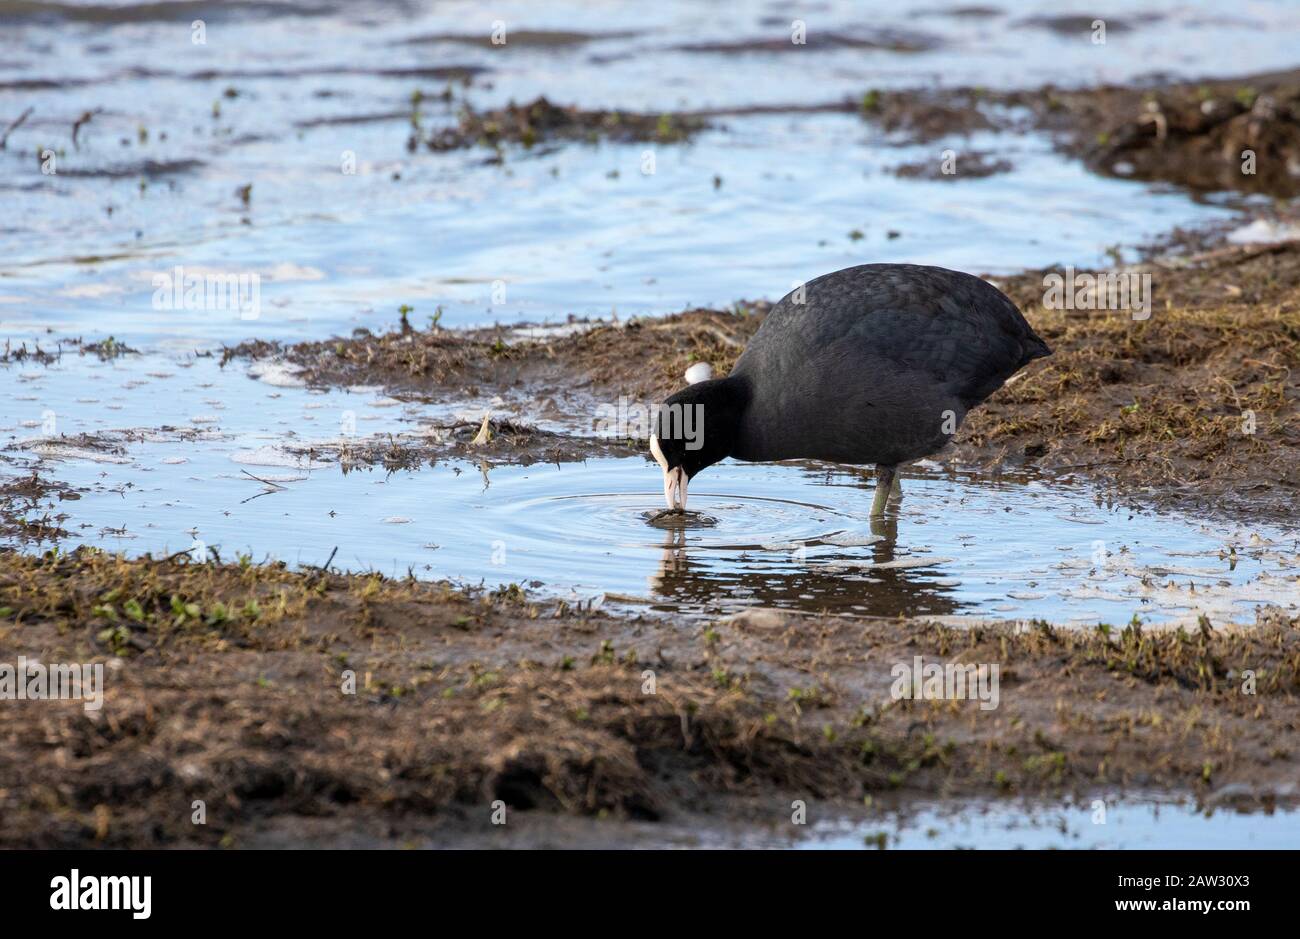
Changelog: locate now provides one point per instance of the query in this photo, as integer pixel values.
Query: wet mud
(320, 706)
(565, 367)
(1237, 135)
(1240, 135)
(1196, 404)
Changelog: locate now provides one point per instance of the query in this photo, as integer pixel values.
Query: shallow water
(151, 181)
(957, 824)
(1127, 825)
(215, 457)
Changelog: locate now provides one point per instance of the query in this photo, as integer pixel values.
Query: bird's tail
(1035, 348)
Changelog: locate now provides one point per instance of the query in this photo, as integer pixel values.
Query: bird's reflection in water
(812, 577)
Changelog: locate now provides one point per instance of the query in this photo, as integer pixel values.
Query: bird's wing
(956, 328)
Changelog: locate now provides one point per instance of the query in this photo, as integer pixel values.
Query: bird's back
(877, 363)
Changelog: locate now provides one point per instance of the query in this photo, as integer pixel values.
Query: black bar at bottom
(301, 888)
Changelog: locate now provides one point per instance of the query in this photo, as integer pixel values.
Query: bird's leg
(884, 485)
(886, 526)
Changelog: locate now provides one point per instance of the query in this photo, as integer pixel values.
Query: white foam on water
(276, 374)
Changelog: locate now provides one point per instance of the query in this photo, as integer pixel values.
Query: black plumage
(877, 363)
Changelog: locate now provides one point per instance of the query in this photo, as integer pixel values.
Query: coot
(874, 364)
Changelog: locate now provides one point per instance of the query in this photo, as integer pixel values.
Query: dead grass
(540, 121)
(1203, 393)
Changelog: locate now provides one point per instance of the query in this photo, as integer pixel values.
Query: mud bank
(334, 708)
(1228, 134)
(1196, 404)
(1193, 134)
(565, 368)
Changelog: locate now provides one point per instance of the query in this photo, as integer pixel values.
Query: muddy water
(247, 473)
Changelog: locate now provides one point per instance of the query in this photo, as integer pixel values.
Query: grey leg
(884, 485)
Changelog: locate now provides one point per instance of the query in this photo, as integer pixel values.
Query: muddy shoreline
(347, 707)
(1236, 134)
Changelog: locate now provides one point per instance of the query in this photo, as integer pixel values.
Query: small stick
(84, 119)
(4, 139)
(325, 567)
(264, 482)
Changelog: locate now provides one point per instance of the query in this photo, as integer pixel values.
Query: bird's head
(695, 428)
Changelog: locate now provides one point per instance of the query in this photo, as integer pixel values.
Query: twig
(84, 119)
(4, 139)
(264, 482)
(325, 567)
(713, 331)
(722, 337)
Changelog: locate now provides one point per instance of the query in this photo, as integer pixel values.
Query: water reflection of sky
(576, 229)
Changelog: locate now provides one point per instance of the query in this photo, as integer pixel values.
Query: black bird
(877, 363)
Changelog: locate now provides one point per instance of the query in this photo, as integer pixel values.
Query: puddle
(958, 824)
(1126, 826)
(1007, 826)
(254, 476)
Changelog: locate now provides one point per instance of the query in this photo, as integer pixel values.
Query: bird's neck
(725, 404)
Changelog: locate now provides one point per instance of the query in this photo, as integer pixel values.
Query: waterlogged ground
(290, 146)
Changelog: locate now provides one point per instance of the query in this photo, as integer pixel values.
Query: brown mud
(1195, 134)
(232, 684)
(1192, 134)
(565, 370)
(1198, 405)
(490, 442)
(971, 164)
